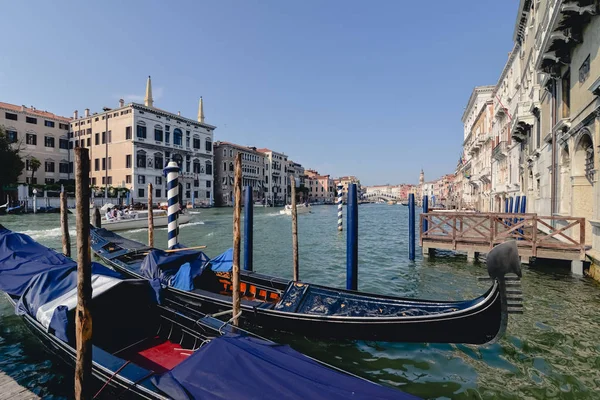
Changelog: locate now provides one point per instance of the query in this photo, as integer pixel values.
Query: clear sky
(371, 88)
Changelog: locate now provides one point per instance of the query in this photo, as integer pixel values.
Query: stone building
(253, 171)
(276, 181)
(41, 135)
(132, 143)
(321, 188)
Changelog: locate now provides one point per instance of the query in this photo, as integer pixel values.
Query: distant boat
(391, 202)
(404, 203)
(139, 220)
(300, 209)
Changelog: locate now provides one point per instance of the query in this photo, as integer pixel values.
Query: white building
(131, 144)
(275, 176)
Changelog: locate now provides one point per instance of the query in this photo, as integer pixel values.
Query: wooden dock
(11, 390)
(559, 238)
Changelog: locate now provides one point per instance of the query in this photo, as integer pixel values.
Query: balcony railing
(499, 152)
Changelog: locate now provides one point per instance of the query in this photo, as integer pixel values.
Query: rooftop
(33, 111)
(239, 146)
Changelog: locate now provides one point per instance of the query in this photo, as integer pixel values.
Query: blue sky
(374, 89)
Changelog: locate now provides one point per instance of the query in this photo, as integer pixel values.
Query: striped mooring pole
(340, 204)
(172, 174)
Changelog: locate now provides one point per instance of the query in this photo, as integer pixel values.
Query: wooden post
(534, 228)
(294, 230)
(83, 318)
(582, 237)
(237, 212)
(150, 218)
(64, 225)
(97, 218)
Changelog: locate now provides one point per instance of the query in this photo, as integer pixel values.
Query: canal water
(551, 351)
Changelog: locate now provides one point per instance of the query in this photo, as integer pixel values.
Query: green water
(551, 351)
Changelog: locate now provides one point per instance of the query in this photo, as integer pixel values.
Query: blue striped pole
(411, 226)
(425, 211)
(339, 204)
(523, 204)
(352, 239)
(172, 174)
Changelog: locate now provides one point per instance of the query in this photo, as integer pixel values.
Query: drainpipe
(553, 170)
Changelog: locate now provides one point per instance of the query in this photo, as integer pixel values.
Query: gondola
(144, 349)
(319, 311)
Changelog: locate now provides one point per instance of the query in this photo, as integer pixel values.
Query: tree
(11, 164)
(34, 164)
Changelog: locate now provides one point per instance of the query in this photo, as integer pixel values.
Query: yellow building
(41, 135)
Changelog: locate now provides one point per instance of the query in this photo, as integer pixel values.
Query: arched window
(141, 159)
(584, 157)
(177, 137)
(178, 159)
(158, 160)
(231, 166)
(158, 133)
(208, 169)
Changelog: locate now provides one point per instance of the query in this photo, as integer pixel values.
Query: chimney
(179, 113)
(121, 103)
(75, 114)
(148, 101)
(87, 112)
(200, 111)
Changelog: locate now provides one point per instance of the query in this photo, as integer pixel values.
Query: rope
(111, 377)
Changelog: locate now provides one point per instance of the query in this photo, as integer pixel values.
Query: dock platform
(559, 238)
(12, 390)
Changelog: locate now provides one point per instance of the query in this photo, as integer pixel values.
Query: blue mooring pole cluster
(248, 231)
(352, 239)
(411, 226)
(425, 211)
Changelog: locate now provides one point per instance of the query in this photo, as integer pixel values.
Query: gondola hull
(328, 313)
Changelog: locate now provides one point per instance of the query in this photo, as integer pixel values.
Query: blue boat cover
(22, 258)
(242, 367)
(223, 262)
(161, 265)
(183, 279)
(48, 286)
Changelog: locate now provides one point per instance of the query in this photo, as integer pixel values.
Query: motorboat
(319, 311)
(300, 209)
(139, 220)
(143, 348)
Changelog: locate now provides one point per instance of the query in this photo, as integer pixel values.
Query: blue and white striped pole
(172, 174)
(339, 204)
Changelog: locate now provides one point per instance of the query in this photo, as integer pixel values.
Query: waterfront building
(297, 171)
(132, 143)
(253, 171)
(276, 181)
(321, 188)
(345, 181)
(476, 168)
(41, 135)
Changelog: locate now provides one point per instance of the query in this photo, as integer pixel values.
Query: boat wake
(47, 233)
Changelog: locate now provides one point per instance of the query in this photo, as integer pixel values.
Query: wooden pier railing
(537, 236)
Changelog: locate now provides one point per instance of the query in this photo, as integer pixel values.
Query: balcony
(485, 174)
(500, 151)
(523, 120)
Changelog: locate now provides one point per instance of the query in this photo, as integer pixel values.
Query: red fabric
(158, 355)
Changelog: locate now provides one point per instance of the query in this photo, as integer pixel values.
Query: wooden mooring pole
(150, 218)
(97, 218)
(237, 212)
(294, 230)
(64, 225)
(83, 318)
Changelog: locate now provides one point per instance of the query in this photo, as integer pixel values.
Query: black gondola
(324, 312)
(145, 350)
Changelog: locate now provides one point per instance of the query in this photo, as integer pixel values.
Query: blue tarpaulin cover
(183, 279)
(242, 367)
(223, 262)
(22, 258)
(48, 286)
(159, 264)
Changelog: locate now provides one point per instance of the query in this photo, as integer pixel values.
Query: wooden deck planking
(12, 390)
